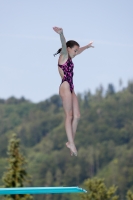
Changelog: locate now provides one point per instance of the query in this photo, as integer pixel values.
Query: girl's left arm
(81, 49)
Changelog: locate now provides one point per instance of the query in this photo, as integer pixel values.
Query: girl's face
(72, 52)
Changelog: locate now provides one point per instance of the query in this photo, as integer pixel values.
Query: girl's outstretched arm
(63, 40)
(81, 49)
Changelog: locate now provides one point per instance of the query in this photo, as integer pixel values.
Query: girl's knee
(77, 116)
(69, 115)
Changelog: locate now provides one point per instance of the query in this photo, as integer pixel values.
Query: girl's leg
(76, 114)
(66, 97)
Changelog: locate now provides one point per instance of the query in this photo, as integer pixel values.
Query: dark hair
(70, 43)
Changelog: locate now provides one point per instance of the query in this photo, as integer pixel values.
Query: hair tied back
(59, 50)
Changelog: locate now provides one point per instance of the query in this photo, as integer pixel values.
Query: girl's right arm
(63, 41)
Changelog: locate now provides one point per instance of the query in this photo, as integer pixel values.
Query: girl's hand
(90, 44)
(58, 30)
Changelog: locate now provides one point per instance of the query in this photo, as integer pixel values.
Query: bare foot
(67, 144)
(72, 148)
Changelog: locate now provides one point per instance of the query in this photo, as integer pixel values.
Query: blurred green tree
(97, 190)
(110, 90)
(130, 86)
(16, 174)
(129, 195)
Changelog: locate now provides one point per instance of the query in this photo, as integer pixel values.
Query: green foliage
(129, 195)
(97, 190)
(110, 90)
(130, 86)
(16, 173)
(104, 139)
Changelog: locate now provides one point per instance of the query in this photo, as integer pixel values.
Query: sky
(28, 42)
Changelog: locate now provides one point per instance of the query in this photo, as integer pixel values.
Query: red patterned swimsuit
(67, 68)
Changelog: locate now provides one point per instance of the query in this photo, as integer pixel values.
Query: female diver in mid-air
(68, 51)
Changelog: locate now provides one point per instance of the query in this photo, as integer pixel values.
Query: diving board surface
(40, 190)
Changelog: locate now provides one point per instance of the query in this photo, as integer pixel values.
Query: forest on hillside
(104, 139)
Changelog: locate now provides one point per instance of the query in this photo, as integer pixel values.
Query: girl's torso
(66, 72)
(65, 66)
